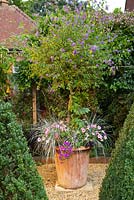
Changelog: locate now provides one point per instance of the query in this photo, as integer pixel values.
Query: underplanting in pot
(67, 136)
(70, 143)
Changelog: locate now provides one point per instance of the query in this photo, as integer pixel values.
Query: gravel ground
(96, 173)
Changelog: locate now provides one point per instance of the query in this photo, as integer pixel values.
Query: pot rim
(82, 148)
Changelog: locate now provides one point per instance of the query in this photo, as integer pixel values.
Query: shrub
(18, 174)
(118, 183)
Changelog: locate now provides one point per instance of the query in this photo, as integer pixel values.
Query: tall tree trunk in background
(34, 101)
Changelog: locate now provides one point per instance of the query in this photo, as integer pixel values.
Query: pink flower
(83, 130)
(99, 127)
(93, 126)
(100, 137)
(39, 139)
(56, 135)
(88, 127)
(57, 126)
(93, 133)
(63, 128)
(46, 131)
(105, 137)
(97, 132)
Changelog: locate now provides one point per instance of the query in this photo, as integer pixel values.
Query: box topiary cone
(118, 183)
(19, 179)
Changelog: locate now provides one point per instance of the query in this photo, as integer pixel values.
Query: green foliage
(23, 76)
(116, 99)
(119, 181)
(22, 107)
(71, 57)
(24, 6)
(18, 174)
(117, 10)
(44, 7)
(71, 77)
(122, 51)
(5, 66)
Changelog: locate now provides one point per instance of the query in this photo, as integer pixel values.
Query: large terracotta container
(72, 172)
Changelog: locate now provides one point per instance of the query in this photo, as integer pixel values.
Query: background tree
(19, 3)
(44, 7)
(113, 34)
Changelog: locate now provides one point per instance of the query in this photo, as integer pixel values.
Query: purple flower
(65, 150)
(69, 39)
(109, 62)
(86, 35)
(106, 7)
(75, 52)
(116, 51)
(80, 5)
(113, 70)
(77, 10)
(93, 48)
(102, 42)
(82, 43)
(66, 155)
(66, 8)
(67, 143)
(84, 16)
(37, 33)
(70, 60)
(51, 91)
(62, 50)
(73, 44)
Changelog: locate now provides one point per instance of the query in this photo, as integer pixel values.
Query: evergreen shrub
(19, 179)
(118, 183)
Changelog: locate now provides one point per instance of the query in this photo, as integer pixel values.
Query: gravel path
(96, 173)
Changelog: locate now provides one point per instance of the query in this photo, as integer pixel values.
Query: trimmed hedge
(19, 178)
(118, 183)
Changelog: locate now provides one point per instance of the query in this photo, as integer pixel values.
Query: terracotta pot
(72, 172)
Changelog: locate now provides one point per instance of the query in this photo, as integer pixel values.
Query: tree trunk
(34, 97)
